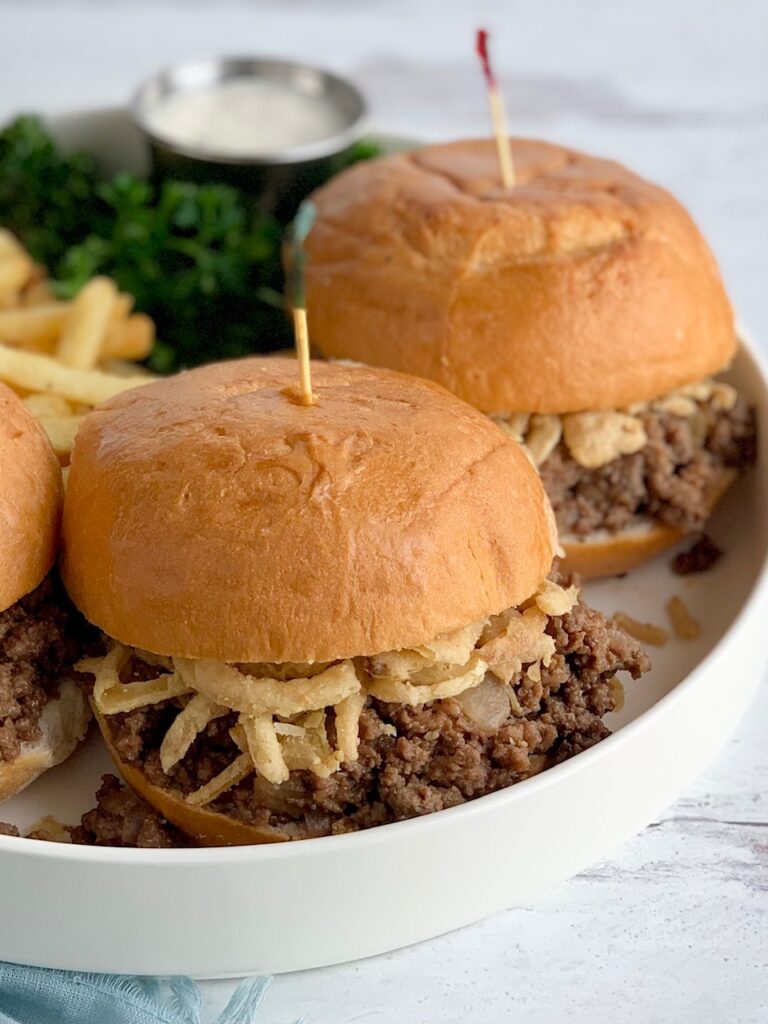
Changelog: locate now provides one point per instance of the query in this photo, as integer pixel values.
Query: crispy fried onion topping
(597, 438)
(284, 711)
(111, 695)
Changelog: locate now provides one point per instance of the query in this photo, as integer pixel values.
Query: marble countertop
(673, 926)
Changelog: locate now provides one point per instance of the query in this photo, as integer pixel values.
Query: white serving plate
(213, 913)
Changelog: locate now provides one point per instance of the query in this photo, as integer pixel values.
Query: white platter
(213, 913)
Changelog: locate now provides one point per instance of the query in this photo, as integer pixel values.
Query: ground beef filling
(120, 818)
(40, 638)
(700, 557)
(413, 760)
(671, 479)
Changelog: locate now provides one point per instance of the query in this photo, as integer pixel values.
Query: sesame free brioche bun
(210, 515)
(584, 287)
(30, 515)
(30, 501)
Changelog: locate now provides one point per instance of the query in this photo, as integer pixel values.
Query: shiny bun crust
(30, 501)
(584, 287)
(210, 515)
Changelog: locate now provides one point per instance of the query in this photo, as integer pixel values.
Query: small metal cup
(277, 181)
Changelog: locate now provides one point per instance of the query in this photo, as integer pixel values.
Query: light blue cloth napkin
(32, 995)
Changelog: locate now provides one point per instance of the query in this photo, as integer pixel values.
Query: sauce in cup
(248, 116)
(275, 128)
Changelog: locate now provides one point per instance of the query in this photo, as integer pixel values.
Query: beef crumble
(700, 557)
(121, 818)
(41, 636)
(412, 760)
(671, 479)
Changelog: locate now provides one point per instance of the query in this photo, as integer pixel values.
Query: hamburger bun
(611, 554)
(30, 501)
(210, 515)
(63, 724)
(585, 287)
(30, 514)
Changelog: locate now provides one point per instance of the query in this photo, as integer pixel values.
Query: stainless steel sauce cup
(278, 181)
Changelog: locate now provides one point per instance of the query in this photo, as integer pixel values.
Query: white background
(674, 927)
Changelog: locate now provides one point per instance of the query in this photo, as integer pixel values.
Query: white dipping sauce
(244, 117)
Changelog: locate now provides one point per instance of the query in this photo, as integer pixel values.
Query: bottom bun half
(209, 828)
(63, 723)
(611, 554)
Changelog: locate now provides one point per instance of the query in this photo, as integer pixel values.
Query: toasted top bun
(210, 515)
(30, 500)
(584, 287)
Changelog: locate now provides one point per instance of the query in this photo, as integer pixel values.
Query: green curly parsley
(199, 259)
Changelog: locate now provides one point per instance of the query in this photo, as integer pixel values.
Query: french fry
(38, 327)
(64, 358)
(123, 368)
(123, 307)
(37, 293)
(35, 327)
(132, 339)
(48, 405)
(83, 335)
(10, 245)
(61, 431)
(32, 371)
(14, 271)
(16, 265)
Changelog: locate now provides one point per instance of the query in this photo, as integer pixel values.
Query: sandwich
(320, 619)
(43, 712)
(582, 310)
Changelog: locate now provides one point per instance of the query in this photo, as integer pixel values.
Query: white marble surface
(674, 926)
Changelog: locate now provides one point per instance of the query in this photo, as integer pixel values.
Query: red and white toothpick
(498, 117)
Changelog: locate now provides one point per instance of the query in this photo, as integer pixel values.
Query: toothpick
(301, 337)
(301, 228)
(498, 115)
(503, 145)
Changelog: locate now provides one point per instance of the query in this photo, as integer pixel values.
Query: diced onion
(486, 705)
